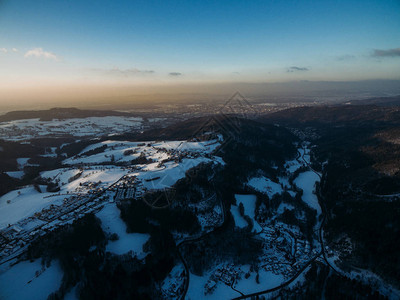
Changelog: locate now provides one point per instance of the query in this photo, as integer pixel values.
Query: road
(220, 227)
(321, 240)
(286, 283)
(324, 214)
(195, 239)
(20, 252)
(244, 296)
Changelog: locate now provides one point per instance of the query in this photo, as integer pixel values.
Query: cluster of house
(177, 154)
(17, 236)
(9, 240)
(227, 274)
(281, 257)
(290, 251)
(307, 133)
(86, 198)
(278, 268)
(80, 127)
(13, 130)
(75, 206)
(89, 187)
(127, 188)
(175, 289)
(211, 218)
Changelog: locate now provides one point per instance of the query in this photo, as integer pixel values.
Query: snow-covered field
(117, 151)
(267, 280)
(265, 185)
(27, 129)
(163, 164)
(60, 175)
(239, 220)
(284, 206)
(249, 204)
(293, 165)
(23, 162)
(112, 223)
(16, 174)
(103, 176)
(221, 290)
(306, 181)
(281, 240)
(27, 280)
(168, 162)
(23, 203)
(196, 290)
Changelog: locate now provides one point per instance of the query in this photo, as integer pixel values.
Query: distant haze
(79, 52)
(109, 97)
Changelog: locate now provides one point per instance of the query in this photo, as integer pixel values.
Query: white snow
(106, 175)
(92, 126)
(26, 201)
(167, 169)
(267, 280)
(172, 284)
(196, 289)
(23, 203)
(306, 181)
(23, 161)
(239, 220)
(170, 174)
(20, 281)
(222, 291)
(156, 151)
(207, 146)
(284, 206)
(305, 154)
(302, 160)
(265, 185)
(249, 204)
(284, 181)
(293, 165)
(112, 223)
(16, 174)
(60, 175)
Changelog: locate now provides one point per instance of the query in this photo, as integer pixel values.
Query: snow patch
(16, 174)
(265, 185)
(306, 181)
(28, 280)
(249, 204)
(112, 223)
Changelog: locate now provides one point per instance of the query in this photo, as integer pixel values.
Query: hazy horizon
(125, 97)
(55, 53)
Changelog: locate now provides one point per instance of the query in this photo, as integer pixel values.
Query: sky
(53, 46)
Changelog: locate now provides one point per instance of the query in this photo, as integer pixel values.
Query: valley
(203, 213)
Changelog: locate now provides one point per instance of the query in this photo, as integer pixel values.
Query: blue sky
(168, 42)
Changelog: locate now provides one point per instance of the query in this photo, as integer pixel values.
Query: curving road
(324, 213)
(195, 239)
(284, 284)
(321, 240)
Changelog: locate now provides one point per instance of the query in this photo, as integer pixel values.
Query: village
(94, 178)
(86, 184)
